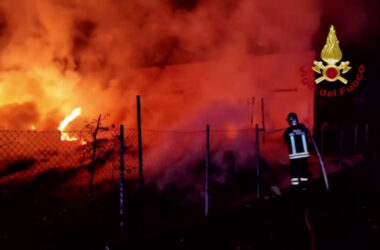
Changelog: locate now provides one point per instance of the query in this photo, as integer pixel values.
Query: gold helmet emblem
(331, 54)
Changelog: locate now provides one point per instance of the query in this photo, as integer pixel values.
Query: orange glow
(231, 131)
(191, 68)
(64, 136)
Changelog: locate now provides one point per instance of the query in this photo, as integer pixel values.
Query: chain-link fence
(46, 181)
(74, 186)
(27, 154)
(49, 185)
(174, 164)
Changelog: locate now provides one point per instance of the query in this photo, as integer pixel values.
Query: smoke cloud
(193, 62)
(62, 54)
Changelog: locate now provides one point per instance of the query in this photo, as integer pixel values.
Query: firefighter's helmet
(292, 118)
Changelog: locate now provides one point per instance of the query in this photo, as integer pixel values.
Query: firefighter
(296, 137)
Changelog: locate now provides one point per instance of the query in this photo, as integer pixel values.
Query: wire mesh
(24, 155)
(55, 175)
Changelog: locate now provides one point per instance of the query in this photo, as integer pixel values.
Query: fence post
(263, 118)
(207, 170)
(257, 162)
(141, 173)
(121, 178)
(93, 164)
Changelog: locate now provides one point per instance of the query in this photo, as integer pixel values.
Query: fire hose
(321, 163)
(312, 236)
(324, 174)
(326, 181)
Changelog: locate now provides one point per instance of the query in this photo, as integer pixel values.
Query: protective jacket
(296, 138)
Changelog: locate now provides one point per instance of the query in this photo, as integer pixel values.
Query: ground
(346, 217)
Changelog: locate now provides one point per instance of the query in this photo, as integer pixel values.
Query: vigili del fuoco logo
(334, 69)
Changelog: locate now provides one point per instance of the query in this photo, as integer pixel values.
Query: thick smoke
(62, 54)
(191, 61)
(357, 23)
(17, 115)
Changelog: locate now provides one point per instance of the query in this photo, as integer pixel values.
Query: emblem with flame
(331, 54)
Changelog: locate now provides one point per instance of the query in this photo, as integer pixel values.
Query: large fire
(101, 54)
(61, 47)
(64, 135)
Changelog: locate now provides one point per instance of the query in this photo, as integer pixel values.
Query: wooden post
(121, 211)
(139, 134)
(257, 162)
(207, 170)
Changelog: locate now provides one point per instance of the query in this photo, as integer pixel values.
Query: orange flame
(64, 136)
